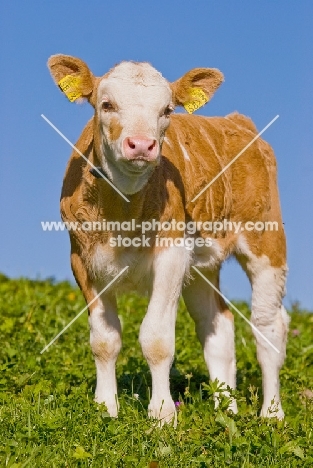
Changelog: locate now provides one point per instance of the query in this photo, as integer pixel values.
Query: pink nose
(140, 148)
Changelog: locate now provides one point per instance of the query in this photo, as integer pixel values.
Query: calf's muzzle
(140, 148)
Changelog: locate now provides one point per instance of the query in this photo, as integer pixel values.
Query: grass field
(48, 417)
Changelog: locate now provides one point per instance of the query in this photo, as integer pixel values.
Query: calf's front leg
(106, 342)
(105, 334)
(157, 332)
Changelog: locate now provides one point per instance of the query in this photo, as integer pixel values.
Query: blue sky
(264, 50)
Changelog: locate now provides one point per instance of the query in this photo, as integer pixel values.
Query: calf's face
(133, 106)
(133, 103)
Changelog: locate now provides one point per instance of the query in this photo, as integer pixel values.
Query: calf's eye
(168, 110)
(106, 106)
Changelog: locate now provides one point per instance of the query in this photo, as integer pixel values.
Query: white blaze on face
(133, 105)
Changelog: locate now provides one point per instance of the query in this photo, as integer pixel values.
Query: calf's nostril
(131, 144)
(150, 148)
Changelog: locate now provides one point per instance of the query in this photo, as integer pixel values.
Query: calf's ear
(196, 87)
(73, 77)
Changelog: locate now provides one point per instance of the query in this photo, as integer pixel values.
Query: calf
(160, 163)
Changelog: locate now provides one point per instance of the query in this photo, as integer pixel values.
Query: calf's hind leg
(269, 317)
(215, 328)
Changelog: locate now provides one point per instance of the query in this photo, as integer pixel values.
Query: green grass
(48, 417)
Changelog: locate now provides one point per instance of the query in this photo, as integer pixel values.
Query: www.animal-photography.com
(156, 263)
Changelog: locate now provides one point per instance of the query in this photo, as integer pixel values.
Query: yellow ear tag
(197, 99)
(70, 85)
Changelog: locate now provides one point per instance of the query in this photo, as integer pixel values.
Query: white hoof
(233, 406)
(112, 406)
(273, 411)
(165, 412)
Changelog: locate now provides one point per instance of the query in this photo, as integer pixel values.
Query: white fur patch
(139, 96)
(208, 257)
(167, 141)
(107, 262)
(184, 151)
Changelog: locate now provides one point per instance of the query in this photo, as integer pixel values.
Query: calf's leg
(157, 331)
(215, 328)
(269, 317)
(106, 342)
(105, 335)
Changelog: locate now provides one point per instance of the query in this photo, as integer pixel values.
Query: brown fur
(115, 129)
(245, 192)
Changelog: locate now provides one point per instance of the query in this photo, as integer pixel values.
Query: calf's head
(133, 103)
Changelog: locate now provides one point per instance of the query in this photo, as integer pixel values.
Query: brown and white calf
(161, 162)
